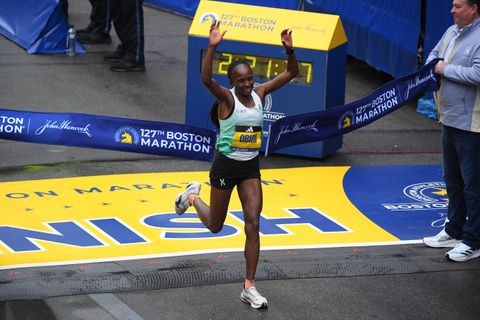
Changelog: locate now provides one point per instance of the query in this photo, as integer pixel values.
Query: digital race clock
(264, 68)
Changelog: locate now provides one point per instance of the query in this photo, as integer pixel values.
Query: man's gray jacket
(459, 94)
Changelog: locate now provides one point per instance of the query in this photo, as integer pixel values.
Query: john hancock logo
(127, 135)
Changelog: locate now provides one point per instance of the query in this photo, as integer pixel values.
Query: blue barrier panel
(281, 4)
(188, 7)
(382, 33)
(37, 26)
(438, 19)
(182, 7)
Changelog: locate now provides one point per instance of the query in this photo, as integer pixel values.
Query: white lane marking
(115, 306)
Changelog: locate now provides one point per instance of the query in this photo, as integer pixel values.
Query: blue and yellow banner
(132, 216)
(111, 133)
(334, 121)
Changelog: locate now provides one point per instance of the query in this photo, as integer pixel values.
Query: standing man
(127, 18)
(458, 101)
(98, 30)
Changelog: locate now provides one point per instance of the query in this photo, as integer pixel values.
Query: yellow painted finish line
(119, 217)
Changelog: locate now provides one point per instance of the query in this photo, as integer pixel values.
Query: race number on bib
(247, 138)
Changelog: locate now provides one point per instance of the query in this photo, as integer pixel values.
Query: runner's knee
(252, 228)
(215, 229)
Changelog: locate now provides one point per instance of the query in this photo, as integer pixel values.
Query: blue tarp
(438, 19)
(382, 33)
(385, 33)
(188, 7)
(37, 26)
(182, 7)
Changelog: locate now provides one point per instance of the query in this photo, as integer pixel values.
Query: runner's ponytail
(214, 114)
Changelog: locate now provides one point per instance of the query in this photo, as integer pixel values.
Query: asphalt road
(398, 282)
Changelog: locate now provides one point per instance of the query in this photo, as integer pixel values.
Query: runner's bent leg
(213, 216)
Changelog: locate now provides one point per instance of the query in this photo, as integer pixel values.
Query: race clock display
(264, 68)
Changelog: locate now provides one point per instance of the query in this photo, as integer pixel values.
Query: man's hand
(440, 67)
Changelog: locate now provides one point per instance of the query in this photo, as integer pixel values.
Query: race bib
(247, 138)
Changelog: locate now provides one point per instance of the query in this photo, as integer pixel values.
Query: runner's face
(242, 79)
(463, 13)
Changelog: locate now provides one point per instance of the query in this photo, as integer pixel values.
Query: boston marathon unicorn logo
(427, 192)
(268, 103)
(426, 195)
(209, 17)
(127, 135)
(346, 120)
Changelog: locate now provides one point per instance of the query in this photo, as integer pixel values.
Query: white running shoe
(181, 201)
(462, 253)
(252, 296)
(441, 240)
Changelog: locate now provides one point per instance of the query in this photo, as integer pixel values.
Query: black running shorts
(226, 173)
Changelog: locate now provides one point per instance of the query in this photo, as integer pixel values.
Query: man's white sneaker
(181, 201)
(252, 296)
(462, 253)
(441, 240)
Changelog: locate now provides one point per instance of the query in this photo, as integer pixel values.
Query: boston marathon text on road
(20, 194)
(72, 233)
